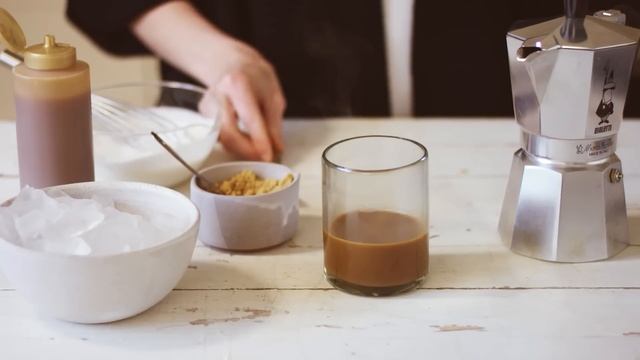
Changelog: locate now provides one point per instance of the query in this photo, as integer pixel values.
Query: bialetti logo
(605, 107)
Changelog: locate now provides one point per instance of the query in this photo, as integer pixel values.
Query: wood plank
(316, 324)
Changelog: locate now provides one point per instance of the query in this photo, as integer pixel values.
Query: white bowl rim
(121, 185)
(194, 183)
(162, 84)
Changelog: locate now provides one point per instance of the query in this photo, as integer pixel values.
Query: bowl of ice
(185, 115)
(96, 252)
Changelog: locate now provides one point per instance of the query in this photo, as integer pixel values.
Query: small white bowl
(104, 288)
(245, 223)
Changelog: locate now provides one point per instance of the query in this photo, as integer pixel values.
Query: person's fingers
(274, 105)
(231, 137)
(242, 97)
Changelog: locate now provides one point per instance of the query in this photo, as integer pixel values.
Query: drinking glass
(375, 214)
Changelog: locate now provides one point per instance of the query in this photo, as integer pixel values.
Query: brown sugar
(247, 183)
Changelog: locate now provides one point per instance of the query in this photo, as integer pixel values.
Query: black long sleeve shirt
(330, 54)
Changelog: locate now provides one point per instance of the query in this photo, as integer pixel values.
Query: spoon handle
(180, 159)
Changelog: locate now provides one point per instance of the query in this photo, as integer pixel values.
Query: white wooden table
(479, 300)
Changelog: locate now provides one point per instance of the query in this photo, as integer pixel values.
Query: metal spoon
(202, 182)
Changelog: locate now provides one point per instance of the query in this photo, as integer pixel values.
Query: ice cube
(104, 201)
(56, 222)
(151, 235)
(69, 245)
(165, 222)
(82, 247)
(76, 218)
(30, 199)
(31, 211)
(7, 226)
(31, 224)
(117, 233)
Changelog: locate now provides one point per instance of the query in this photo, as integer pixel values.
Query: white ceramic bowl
(247, 222)
(97, 289)
(123, 147)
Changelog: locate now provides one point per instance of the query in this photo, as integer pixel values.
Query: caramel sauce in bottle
(53, 108)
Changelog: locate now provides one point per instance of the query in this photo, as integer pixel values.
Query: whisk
(124, 119)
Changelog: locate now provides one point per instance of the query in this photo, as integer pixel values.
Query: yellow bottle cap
(49, 55)
(11, 35)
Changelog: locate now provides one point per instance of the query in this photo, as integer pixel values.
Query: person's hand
(236, 74)
(252, 105)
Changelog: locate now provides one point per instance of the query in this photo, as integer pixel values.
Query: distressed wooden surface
(479, 300)
(327, 324)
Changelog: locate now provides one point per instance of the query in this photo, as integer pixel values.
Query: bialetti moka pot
(565, 196)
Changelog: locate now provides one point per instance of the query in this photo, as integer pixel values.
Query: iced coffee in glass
(375, 214)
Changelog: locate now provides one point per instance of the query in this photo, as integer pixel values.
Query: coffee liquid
(375, 252)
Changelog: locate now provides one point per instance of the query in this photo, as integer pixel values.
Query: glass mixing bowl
(124, 116)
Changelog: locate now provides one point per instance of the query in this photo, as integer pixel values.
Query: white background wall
(39, 17)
